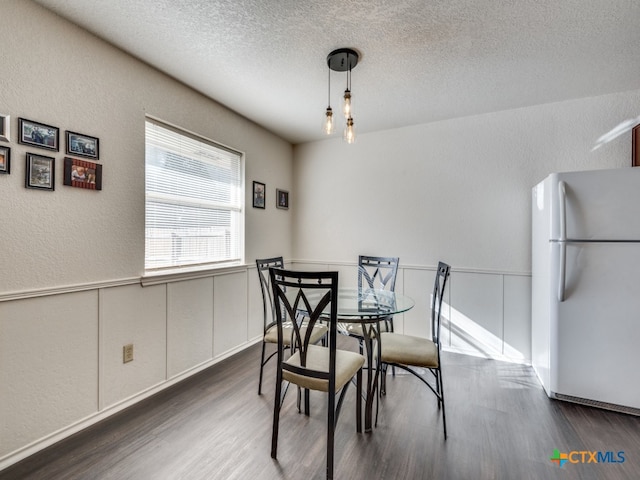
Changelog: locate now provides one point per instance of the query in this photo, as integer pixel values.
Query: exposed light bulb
(328, 125)
(346, 108)
(349, 132)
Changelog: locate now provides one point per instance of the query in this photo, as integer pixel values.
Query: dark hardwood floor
(500, 423)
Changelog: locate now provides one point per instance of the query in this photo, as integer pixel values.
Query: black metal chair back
(437, 296)
(314, 294)
(268, 308)
(377, 272)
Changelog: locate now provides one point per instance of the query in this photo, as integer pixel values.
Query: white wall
(457, 191)
(60, 75)
(70, 293)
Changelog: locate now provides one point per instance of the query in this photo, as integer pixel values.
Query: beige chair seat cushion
(347, 365)
(408, 350)
(355, 329)
(319, 330)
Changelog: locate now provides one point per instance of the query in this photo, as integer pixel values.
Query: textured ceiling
(421, 60)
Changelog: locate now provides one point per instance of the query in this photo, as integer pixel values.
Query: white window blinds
(194, 201)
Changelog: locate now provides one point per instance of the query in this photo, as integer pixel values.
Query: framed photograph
(635, 146)
(5, 160)
(5, 123)
(38, 134)
(258, 195)
(40, 172)
(282, 199)
(82, 174)
(82, 145)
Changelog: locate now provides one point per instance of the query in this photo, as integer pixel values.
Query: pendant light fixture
(341, 60)
(328, 125)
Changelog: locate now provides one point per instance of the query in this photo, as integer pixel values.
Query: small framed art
(5, 124)
(82, 145)
(258, 195)
(38, 134)
(5, 160)
(82, 174)
(282, 199)
(40, 172)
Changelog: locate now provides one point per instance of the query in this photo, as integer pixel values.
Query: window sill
(191, 273)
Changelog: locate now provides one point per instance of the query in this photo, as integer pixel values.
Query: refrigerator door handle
(562, 270)
(562, 241)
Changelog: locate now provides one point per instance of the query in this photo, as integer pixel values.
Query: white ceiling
(421, 60)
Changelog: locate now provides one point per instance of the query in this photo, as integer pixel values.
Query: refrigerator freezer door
(600, 204)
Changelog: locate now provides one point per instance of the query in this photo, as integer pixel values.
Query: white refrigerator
(586, 287)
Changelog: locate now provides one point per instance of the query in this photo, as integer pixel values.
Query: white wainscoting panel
(137, 315)
(476, 313)
(48, 365)
(189, 324)
(229, 312)
(256, 315)
(418, 284)
(517, 318)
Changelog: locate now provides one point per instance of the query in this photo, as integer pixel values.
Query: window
(194, 201)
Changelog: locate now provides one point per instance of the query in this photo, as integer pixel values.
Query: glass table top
(371, 303)
(365, 305)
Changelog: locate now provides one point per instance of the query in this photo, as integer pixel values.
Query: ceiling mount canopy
(341, 60)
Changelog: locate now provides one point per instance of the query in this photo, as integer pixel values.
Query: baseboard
(597, 404)
(489, 355)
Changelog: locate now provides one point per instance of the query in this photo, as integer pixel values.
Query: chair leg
(390, 324)
(359, 402)
(276, 418)
(438, 377)
(306, 402)
(383, 379)
(377, 394)
(331, 427)
(441, 388)
(261, 369)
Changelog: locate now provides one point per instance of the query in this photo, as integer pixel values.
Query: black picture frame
(5, 159)
(5, 126)
(282, 199)
(259, 194)
(40, 172)
(38, 134)
(82, 145)
(82, 174)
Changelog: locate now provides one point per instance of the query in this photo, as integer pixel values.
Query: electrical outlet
(127, 353)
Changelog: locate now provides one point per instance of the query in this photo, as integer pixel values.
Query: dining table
(369, 308)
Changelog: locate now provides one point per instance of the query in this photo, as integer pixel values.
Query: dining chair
(412, 353)
(270, 334)
(315, 367)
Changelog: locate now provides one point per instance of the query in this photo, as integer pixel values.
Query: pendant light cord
(329, 83)
(348, 73)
